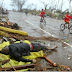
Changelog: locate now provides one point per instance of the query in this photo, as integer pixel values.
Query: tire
(70, 30)
(62, 27)
(41, 21)
(44, 22)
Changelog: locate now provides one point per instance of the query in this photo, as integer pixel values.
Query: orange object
(68, 68)
(50, 61)
(7, 21)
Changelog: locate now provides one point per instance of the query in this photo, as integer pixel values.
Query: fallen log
(17, 67)
(42, 38)
(13, 31)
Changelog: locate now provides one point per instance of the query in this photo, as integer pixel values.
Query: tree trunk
(61, 5)
(70, 9)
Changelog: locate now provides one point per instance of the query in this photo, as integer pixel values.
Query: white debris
(69, 55)
(69, 58)
(49, 45)
(54, 63)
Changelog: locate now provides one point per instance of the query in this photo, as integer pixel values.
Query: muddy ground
(31, 24)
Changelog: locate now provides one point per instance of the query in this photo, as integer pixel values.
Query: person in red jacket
(42, 14)
(67, 18)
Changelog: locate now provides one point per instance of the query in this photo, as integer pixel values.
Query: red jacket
(67, 17)
(42, 13)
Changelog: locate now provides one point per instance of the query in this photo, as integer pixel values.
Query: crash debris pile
(50, 66)
(5, 23)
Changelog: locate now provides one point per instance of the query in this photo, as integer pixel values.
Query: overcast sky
(37, 4)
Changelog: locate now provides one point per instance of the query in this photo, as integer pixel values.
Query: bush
(48, 14)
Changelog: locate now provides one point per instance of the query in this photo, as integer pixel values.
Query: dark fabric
(37, 47)
(15, 26)
(5, 50)
(18, 50)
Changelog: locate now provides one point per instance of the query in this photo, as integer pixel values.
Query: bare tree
(62, 4)
(1, 6)
(70, 9)
(30, 6)
(52, 4)
(18, 3)
(45, 4)
(57, 4)
(1, 3)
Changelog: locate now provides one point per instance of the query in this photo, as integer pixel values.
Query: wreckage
(7, 31)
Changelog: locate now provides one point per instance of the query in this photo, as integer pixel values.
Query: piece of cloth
(17, 50)
(7, 43)
(67, 17)
(14, 62)
(31, 47)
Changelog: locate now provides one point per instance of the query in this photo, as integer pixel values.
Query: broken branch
(50, 61)
(17, 67)
(52, 48)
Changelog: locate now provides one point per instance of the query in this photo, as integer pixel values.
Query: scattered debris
(42, 38)
(67, 44)
(5, 23)
(64, 45)
(17, 67)
(67, 40)
(32, 67)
